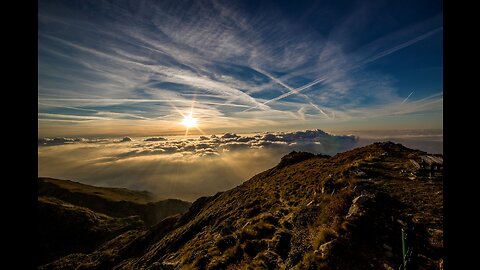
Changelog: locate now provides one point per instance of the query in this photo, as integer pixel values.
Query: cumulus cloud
(57, 141)
(62, 140)
(315, 141)
(429, 140)
(229, 136)
(155, 139)
(177, 167)
(126, 139)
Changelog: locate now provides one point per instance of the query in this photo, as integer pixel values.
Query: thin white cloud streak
(66, 107)
(430, 103)
(274, 79)
(321, 111)
(123, 100)
(202, 108)
(427, 104)
(333, 61)
(74, 117)
(173, 75)
(352, 67)
(97, 112)
(401, 46)
(405, 100)
(292, 90)
(429, 97)
(186, 54)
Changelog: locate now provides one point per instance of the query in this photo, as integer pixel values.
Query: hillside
(309, 212)
(48, 186)
(115, 202)
(73, 217)
(64, 228)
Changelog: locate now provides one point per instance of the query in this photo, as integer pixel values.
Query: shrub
(322, 236)
(226, 242)
(264, 230)
(266, 260)
(312, 261)
(253, 247)
(283, 243)
(271, 220)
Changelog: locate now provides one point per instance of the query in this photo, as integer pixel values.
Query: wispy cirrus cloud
(142, 61)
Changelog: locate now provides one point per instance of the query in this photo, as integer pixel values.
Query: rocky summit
(361, 209)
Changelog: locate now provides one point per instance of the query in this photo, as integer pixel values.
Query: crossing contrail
(366, 61)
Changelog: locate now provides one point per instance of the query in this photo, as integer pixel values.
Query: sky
(137, 68)
(188, 98)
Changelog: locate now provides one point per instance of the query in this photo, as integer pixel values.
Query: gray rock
(358, 204)
(325, 249)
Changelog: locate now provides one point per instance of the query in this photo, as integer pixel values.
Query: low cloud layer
(430, 141)
(178, 167)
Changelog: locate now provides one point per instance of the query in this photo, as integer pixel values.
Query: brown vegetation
(311, 212)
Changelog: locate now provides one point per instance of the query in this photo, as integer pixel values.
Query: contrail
(407, 97)
(274, 79)
(403, 45)
(291, 89)
(319, 109)
(368, 60)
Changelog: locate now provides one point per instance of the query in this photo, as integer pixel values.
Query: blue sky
(137, 67)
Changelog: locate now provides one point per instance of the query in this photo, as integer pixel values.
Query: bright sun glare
(189, 121)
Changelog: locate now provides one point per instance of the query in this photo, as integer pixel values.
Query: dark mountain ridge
(115, 202)
(309, 212)
(74, 217)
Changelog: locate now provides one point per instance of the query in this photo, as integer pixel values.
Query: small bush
(227, 228)
(253, 211)
(283, 243)
(253, 247)
(226, 242)
(202, 261)
(322, 236)
(266, 260)
(287, 225)
(264, 230)
(312, 261)
(271, 220)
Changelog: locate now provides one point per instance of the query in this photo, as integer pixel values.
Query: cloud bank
(179, 167)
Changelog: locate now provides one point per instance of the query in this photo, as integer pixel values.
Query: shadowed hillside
(56, 187)
(115, 202)
(309, 212)
(64, 228)
(74, 217)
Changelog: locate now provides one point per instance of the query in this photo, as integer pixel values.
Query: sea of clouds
(178, 167)
(190, 167)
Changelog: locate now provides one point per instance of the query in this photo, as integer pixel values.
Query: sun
(188, 121)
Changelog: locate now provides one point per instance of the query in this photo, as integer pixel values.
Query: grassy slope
(115, 202)
(64, 228)
(73, 217)
(311, 212)
(111, 194)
